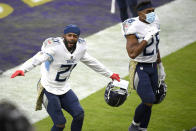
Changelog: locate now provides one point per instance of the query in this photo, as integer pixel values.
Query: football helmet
(160, 92)
(116, 93)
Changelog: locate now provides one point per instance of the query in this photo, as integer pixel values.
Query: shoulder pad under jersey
(129, 26)
(51, 42)
(81, 41)
(157, 22)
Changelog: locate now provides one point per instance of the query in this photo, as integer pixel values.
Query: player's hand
(17, 73)
(150, 33)
(115, 77)
(161, 72)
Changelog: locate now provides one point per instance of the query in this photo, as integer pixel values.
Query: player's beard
(70, 45)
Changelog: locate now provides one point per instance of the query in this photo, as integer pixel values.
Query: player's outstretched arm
(98, 67)
(115, 76)
(37, 59)
(17, 73)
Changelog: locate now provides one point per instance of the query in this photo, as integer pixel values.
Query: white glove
(161, 72)
(150, 33)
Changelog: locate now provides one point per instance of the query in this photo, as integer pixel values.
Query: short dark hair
(144, 5)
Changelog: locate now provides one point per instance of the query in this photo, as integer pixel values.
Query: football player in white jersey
(58, 57)
(142, 35)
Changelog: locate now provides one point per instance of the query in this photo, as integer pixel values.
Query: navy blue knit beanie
(72, 29)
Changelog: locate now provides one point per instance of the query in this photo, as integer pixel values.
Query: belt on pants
(147, 64)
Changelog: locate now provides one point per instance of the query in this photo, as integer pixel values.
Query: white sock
(143, 129)
(134, 123)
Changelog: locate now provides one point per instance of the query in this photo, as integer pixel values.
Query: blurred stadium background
(23, 31)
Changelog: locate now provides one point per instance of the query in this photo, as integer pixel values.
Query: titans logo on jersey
(71, 60)
(139, 29)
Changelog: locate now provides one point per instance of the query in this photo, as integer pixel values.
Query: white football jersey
(139, 29)
(57, 63)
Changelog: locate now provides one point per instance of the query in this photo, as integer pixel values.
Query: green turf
(176, 113)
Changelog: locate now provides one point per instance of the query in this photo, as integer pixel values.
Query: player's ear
(63, 35)
(138, 13)
(141, 15)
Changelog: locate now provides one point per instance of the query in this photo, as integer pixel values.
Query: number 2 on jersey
(152, 52)
(65, 68)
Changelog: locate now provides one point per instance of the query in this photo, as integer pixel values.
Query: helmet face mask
(160, 92)
(115, 95)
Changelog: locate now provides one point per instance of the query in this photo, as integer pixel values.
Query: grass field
(175, 113)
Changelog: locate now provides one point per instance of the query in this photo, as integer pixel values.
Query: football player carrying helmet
(116, 93)
(160, 92)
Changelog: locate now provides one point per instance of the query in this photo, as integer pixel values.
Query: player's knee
(60, 125)
(79, 117)
(61, 122)
(148, 104)
(149, 101)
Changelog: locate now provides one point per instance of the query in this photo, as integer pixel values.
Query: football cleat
(134, 127)
(116, 93)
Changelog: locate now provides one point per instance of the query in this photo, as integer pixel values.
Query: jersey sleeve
(37, 59)
(49, 45)
(157, 22)
(129, 27)
(81, 41)
(46, 54)
(95, 65)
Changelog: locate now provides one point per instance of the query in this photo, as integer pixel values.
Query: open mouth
(70, 44)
